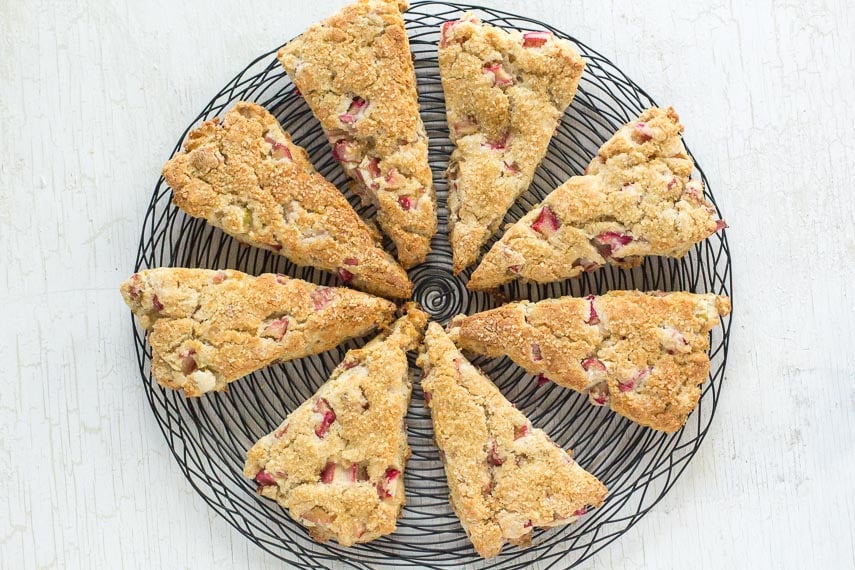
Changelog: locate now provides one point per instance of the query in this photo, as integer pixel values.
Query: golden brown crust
(356, 73)
(208, 328)
(505, 93)
(642, 354)
(245, 176)
(337, 462)
(505, 477)
(636, 199)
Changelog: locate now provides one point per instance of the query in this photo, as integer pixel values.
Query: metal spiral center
(439, 292)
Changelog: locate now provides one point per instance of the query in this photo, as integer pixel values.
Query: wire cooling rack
(209, 436)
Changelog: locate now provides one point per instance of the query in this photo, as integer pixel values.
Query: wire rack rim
(192, 429)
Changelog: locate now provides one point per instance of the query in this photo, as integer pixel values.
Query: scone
(208, 328)
(505, 477)
(356, 73)
(635, 199)
(245, 176)
(644, 355)
(337, 462)
(505, 93)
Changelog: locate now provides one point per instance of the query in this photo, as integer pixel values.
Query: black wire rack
(209, 436)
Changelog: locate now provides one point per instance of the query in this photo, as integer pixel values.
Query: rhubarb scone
(505, 93)
(337, 462)
(635, 199)
(505, 477)
(244, 175)
(643, 355)
(208, 328)
(356, 73)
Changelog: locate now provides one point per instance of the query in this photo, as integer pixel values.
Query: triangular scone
(337, 462)
(208, 328)
(356, 73)
(504, 95)
(505, 477)
(636, 199)
(644, 355)
(245, 176)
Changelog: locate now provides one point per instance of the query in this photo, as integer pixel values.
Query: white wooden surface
(94, 95)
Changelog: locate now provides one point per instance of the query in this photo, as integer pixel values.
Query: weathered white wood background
(94, 95)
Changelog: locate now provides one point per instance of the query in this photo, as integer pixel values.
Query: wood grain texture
(93, 97)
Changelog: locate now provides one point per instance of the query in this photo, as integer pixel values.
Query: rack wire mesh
(209, 436)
